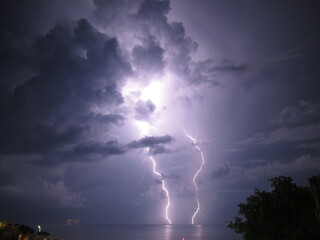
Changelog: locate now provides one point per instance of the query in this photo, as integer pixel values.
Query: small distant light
(39, 228)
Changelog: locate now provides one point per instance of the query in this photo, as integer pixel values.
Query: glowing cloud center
(196, 174)
(153, 92)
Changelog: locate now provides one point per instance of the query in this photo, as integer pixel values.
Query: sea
(142, 232)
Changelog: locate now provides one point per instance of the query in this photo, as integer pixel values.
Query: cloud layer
(76, 111)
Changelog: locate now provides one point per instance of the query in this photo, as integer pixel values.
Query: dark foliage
(285, 213)
(43, 234)
(24, 229)
(314, 183)
(9, 231)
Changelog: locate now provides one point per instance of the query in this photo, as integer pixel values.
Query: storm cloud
(86, 86)
(144, 109)
(78, 69)
(150, 141)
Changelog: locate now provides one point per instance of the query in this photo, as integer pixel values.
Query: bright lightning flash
(196, 174)
(163, 187)
(153, 92)
(144, 128)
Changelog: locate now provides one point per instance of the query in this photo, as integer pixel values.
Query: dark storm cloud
(178, 48)
(153, 16)
(116, 119)
(144, 109)
(155, 145)
(60, 81)
(210, 71)
(284, 134)
(149, 56)
(293, 124)
(107, 10)
(301, 164)
(29, 18)
(154, 10)
(257, 169)
(228, 66)
(7, 177)
(40, 139)
(298, 72)
(112, 13)
(85, 152)
(75, 69)
(93, 151)
(312, 145)
(150, 141)
(53, 83)
(305, 112)
(41, 193)
(16, 59)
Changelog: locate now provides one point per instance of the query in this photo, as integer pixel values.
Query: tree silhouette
(314, 183)
(285, 213)
(8, 231)
(43, 234)
(24, 229)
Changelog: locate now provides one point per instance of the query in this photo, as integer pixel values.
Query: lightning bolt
(145, 129)
(196, 174)
(154, 166)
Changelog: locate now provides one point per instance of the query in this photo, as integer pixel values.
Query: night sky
(92, 90)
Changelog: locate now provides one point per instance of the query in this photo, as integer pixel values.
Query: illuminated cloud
(91, 89)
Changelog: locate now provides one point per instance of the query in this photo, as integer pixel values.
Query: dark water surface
(142, 232)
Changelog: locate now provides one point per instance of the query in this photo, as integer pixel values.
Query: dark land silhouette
(288, 211)
(10, 231)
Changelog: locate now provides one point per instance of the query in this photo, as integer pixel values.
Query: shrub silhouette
(285, 213)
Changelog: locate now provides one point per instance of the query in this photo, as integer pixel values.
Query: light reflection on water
(142, 232)
(183, 231)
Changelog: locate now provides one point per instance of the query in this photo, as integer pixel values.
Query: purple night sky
(92, 91)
